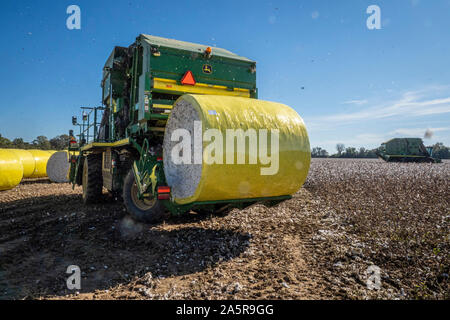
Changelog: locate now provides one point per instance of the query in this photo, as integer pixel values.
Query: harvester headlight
(155, 52)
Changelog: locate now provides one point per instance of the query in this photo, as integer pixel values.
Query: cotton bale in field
(41, 157)
(27, 160)
(242, 170)
(58, 167)
(11, 170)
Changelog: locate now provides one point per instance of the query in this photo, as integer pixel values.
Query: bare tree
(340, 147)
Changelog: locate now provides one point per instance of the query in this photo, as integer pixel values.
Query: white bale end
(183, 178)
(58, 167)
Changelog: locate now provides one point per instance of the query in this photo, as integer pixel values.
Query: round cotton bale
(58, 167)
(220, 173)
(28, 162)
(41, 157)
(11, 170)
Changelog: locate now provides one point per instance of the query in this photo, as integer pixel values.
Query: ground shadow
(33, 204)
(109, 247)
(38, 180)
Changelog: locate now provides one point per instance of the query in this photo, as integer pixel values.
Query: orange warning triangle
(188, 78)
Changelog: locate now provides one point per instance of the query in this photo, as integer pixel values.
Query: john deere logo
(207, 68)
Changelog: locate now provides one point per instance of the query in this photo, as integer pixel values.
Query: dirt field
(350, 215)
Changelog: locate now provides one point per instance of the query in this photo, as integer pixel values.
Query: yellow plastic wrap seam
(245, 181)
(27, 160)
(41, 157)
(11, 170)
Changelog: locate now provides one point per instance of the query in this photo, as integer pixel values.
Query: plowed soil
(351, 216)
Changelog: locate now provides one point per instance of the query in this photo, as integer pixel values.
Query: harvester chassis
(146, 171)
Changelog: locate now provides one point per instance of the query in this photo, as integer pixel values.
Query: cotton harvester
(182, 129)
(406, 150)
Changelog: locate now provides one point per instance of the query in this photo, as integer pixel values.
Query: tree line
(440, 151)
(60, 142)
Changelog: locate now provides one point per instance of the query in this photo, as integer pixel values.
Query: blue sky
(350, 84)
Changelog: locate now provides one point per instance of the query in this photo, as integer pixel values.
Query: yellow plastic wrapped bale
(237, 156)
(11, 170)
(41, 157)
(27, 160)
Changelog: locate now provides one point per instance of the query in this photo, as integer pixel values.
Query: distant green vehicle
(406, 150)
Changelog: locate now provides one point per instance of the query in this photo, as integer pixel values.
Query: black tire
(148, 211)
(92, 179)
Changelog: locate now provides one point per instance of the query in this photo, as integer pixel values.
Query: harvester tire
(148, 211)
(92, 179)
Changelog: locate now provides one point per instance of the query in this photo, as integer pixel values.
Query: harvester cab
(164, 100)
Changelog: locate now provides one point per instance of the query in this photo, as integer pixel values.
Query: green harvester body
(406, 150)
(140, 84)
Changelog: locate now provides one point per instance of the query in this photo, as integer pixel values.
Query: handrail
(86, 125)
